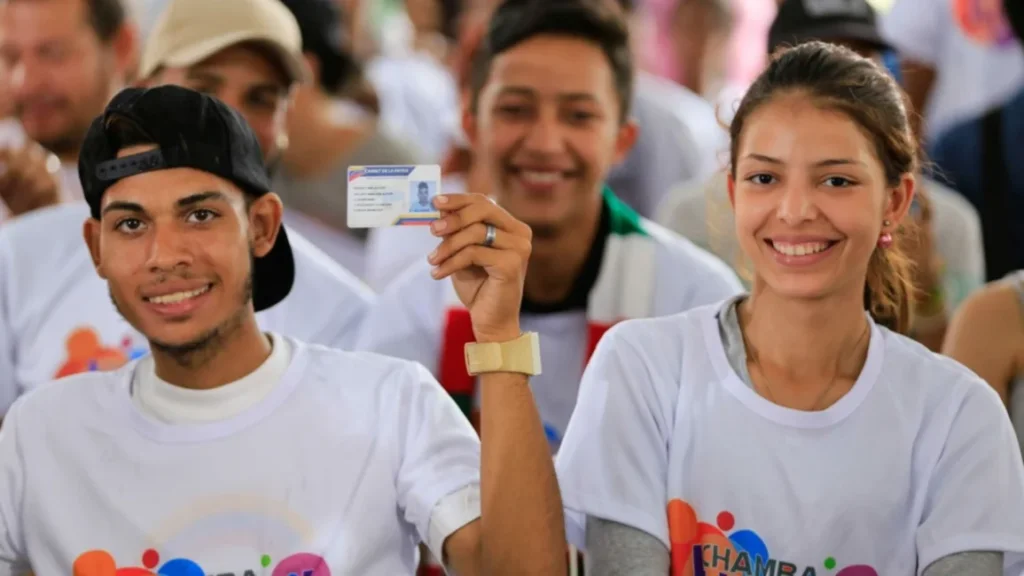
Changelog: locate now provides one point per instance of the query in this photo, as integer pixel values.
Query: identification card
(392, 195)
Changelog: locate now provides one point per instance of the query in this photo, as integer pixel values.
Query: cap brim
(193, 54)
(274, 274)
(836, 33)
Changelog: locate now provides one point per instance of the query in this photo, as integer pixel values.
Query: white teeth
(178, 296)
(800, 249)
(541, 177)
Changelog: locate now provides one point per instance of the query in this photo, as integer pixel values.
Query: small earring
(885, 240)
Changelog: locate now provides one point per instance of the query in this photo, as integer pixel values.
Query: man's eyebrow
(122, 206)
(193, 199)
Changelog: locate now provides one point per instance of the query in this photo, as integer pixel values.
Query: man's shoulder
(79, 397)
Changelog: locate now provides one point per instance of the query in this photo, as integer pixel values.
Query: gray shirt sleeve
(614, 549)
(967, 564)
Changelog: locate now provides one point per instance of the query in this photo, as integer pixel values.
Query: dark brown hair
(838, 79)
(516, 21)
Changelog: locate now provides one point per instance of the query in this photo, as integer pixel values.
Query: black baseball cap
(191, 130)
(799, 21)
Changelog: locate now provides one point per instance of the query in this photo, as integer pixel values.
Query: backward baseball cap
(190, 130)
(190, 31)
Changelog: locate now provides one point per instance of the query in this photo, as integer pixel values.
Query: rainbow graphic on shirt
(87, 353)
(101, 563)
(702, 549)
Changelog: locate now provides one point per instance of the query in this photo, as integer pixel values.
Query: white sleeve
(974, 496)
(439, 456)
(8, 374)
(12, 486)
(915, 28)
(613, 461)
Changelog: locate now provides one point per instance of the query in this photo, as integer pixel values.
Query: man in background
(66, 58)
(312, 176)
(546, 130)
(56, 318)
(959, 58)
(679, 139)
(980, 156)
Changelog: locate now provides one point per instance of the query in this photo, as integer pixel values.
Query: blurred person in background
(679, 139)
(546, 130)
(948, 265)
(981, 157)
(987, 332)
(959, 58)
(65, 59)
(418, 97)
(56, 317)
(701, 33)
(391, 250)
(312, 177)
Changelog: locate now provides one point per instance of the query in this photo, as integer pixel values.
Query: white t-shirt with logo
(918, 461)
(977, 58)
(335, 471)
(56, 317)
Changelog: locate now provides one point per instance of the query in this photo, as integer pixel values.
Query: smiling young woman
(796, 426)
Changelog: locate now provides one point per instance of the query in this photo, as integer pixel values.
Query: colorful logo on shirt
(86, 353)
(983, 21)
(702, 549)
(101, 563)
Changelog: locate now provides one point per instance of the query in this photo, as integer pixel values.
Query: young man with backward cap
(55, 313)
(232, 451)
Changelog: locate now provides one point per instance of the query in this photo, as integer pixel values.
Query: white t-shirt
(918, 461)
(338, 467)
(978, 61)
(56, 317)
(408, 321)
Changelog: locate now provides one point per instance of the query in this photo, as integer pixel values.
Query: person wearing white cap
(57, 319)
(281, 67)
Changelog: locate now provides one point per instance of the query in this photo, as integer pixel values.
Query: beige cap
(190, 31)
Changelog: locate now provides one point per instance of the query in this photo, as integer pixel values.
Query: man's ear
(126, 50)
(629, 131)
(91, 234)
(265, 215)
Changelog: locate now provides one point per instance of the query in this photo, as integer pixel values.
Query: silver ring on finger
(492, 233)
